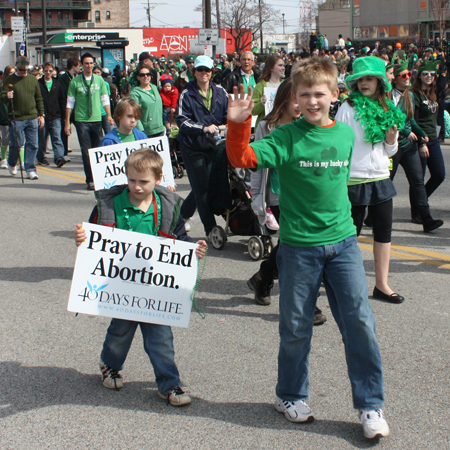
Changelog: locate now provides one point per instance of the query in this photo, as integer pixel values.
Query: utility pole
(149, 16)
(283, 23)
(260, 28)
(44, 30)
(16, 11)
(218, 16)
(207, 13)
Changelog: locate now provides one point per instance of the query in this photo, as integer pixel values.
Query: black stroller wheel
(180, 172)
(255, 248)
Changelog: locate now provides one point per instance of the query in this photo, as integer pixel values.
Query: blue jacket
(193, 116)
(112, 139)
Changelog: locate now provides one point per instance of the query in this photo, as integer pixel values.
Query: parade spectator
(169, 95)
(23, 89)
(145, 59)
(242, 75)
(187, 75)
(132, 209)
(312, 41)
(318, 240)
(271, 77)
(407, 155)
(202, 107)
(375, 121)
(87, 93)
(340, 43)
(4, 123)
(54, 102)
(73, 69)
(426, 113)
(106, 127)
(149, 99)
(325, 42)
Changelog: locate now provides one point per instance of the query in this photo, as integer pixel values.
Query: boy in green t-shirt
(318, 241)
(143, 207)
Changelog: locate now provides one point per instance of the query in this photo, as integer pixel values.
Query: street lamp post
(283, 23)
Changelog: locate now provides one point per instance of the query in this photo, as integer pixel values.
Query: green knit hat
(402, 68)
(190, 58)
(429, 65)
(368, 66)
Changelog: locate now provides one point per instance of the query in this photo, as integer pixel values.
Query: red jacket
(170, 98)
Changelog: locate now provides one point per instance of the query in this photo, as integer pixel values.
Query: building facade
(367, 21)
(110, 13)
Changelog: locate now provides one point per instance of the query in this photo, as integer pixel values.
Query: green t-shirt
(49, 84)
(313, 165)
(125, 137)
(130, 217)
(79, 90)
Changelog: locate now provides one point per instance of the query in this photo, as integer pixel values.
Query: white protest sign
(133, 276)
(108, 163)
(270, 95)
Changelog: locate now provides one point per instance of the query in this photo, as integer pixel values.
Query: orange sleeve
(240, 154)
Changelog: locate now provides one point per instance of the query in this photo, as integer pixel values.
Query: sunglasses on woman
(144, 74)
(203, 69)
(425, 73)
(406, 75)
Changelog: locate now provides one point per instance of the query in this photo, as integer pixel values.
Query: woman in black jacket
(202, 107)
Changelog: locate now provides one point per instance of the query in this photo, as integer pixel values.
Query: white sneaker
(176, 397)
(271, 222)
(33, 176)
(187, 225)
(4, 164)
(12, 170)
(111, 378)
(23, 166)
(297, 411)
(374, 424)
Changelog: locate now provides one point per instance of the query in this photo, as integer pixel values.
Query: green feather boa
(374, 119)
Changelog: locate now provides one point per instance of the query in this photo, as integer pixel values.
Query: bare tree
(242, 16)
(309, 10)
(440, 13)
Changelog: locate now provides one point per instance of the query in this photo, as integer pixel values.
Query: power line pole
(260, 28)
(149, 16)
(44, 30)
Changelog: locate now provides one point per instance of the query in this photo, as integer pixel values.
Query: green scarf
(88, 91)
(374, 119)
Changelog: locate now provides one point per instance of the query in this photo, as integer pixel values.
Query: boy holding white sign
(142, 207)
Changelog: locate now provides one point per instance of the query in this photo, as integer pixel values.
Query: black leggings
(381, 215)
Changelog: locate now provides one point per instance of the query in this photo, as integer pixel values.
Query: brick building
(110, 13)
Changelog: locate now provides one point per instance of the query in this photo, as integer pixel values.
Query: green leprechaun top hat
(429, 66)
(368, 66)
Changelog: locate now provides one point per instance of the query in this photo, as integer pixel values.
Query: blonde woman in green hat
(375, 121)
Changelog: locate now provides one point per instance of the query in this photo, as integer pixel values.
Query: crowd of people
(326, 154)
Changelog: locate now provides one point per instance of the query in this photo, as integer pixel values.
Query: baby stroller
(229, 196)
(175, 155)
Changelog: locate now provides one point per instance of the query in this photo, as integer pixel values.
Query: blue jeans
(301, 270)
(105, 125)
(27, 131)
(52, 128)
(198, 167)
(89, 136)
(158, 344)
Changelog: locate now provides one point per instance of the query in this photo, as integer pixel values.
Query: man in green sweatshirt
(24, 90)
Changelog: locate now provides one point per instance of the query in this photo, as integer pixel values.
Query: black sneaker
(261, 289)
(111, 378)
(60, 162)
(44, 162)
(90, 186)
(432, 224)
(319, 318)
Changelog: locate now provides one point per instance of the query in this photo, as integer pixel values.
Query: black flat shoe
(417, 220)
(393, 298)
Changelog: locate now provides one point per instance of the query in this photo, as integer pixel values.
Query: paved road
(52, 397)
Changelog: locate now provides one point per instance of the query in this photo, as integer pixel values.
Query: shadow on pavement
(29, 388)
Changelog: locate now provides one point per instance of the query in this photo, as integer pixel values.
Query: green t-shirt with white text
(313, 165)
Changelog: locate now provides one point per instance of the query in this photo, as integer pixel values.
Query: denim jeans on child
(158, 344)
(27, 132)
(301, 270)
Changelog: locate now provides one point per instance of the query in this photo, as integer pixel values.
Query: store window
(97, 16)
(108, 15)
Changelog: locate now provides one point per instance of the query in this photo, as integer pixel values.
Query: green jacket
(152, 110)
(258, 107)
(3, 112)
